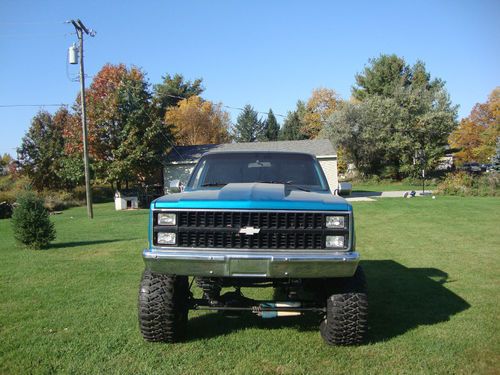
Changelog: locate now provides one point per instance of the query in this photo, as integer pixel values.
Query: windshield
(295, 170)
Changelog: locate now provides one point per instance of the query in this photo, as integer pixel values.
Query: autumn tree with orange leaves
(196, 121)
(477, 134)
(320, 106)
(126, 139)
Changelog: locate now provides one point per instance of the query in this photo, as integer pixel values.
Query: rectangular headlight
(335, 221)
(335, 242)
(167, 238)
(167, 219)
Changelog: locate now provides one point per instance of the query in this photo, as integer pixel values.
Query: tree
(31, 223)
(126, 137)
(477, 134)
(41, 151)
(271, 127)
(320, 106)
(386, 74)
(70, 166)
(495, 160)
(5, 162)
(196, 121)
(293, 124)
(249, 127)
(382, 135)
(172, 90)
(399, 119)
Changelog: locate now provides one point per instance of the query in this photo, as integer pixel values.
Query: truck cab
(253, 219)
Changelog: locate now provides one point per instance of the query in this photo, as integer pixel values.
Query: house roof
(320, 147)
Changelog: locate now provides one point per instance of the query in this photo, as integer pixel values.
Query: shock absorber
(211, 287)
(269, 310)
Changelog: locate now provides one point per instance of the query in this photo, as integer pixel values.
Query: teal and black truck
(253, 219)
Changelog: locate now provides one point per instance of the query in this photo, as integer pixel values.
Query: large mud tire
(163, 307)
(346, 318)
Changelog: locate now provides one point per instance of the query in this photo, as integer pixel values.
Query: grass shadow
(400, 299)
(365, 193)
(72, 244)
(210, 325)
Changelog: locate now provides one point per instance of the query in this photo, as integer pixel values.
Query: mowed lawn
(432, 267)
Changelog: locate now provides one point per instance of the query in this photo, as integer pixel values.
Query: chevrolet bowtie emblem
(249, 231)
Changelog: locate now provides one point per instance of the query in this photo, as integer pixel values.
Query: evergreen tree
(386, 75)
(31, 223)
(293, 124)
(249, 127)
(172, 90)
(271, 128)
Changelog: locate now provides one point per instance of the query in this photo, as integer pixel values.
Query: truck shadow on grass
(71, 244)
(401, 299)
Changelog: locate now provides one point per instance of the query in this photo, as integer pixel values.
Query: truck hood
(256, 196)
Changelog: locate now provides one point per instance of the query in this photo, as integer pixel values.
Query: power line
(226, 106)
(32, 23)
(33, 105)
(171, 96)
(30, 35)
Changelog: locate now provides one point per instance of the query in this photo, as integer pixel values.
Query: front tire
(163, 307)
(346, 319)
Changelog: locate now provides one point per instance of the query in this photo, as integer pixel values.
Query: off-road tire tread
(163, 308)
(346, 320)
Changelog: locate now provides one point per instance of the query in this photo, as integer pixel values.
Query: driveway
(369, 195)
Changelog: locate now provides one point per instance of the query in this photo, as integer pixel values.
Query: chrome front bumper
(237, 263)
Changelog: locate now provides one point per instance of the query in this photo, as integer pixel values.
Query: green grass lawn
(433, 274)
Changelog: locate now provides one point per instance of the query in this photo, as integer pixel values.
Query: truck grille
(234, 219)
(277, 229)
(265, 239)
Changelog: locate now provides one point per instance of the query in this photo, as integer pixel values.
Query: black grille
(264, 220)
(263, 240)
(277, 230)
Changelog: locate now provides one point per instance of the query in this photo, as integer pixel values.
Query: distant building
(181, 160)
(126, 199)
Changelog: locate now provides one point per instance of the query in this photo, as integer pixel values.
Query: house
(181, 160)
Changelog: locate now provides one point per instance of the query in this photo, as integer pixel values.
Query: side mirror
(176, 186)
(345, 189)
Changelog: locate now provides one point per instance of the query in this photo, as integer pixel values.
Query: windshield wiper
(287, 183)
(214, 184)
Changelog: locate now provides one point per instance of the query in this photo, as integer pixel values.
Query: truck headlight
(167, 219)
(335, 221)
(166, 238)
(335, 242)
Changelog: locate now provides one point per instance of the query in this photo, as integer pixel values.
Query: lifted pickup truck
(253, 219)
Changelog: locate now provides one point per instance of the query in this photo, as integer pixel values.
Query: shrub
(464, 184)
(31, 223)
(5, 210)
(10, 187)
(60, 200)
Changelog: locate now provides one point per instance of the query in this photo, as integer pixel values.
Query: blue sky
(265, 53)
